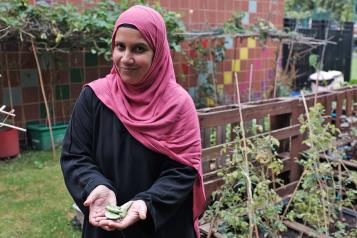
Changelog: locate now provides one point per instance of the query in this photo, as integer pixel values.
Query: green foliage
(201, 56)
(231, 205)
(63, 26)
(319, 199)
(338, 10)
(234, 24)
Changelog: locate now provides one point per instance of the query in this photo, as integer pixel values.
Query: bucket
(9, 142)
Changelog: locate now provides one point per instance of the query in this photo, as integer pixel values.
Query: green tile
(43, 113)
(62, 92)
(46, 61)
(16, 94)
(91, 59)
(76, 75)
(29, 78)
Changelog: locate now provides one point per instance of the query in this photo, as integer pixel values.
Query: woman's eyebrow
(134, 44)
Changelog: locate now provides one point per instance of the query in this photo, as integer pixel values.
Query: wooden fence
(280, 117)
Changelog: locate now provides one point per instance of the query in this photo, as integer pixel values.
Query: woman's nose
(127, 57)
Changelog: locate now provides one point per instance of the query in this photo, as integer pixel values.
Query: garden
(279, 145)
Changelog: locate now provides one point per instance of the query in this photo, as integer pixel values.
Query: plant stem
(44, 99)
(277, 68)
(293, 195)
(246, 165)
(326, 222)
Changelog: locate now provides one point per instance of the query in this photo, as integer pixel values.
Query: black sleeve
(80, 170)
(169, 192)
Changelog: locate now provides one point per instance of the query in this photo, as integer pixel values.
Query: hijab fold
(158, 113)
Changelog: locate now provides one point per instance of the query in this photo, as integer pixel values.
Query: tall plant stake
(9, 87)
(250, 82)
(252, 224)
(44, 99)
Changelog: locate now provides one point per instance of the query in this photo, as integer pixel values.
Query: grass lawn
(33, 199)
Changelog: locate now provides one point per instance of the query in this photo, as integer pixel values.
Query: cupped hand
(97, 200)
(136, 212)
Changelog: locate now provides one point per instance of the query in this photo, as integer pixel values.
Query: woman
(134, 136)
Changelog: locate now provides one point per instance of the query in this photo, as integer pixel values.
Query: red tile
(62, 77)
(14, 76)
(32, 111)
(30, 95)
(27, 60)
(91, 74)
(75, 89)
(77, 59)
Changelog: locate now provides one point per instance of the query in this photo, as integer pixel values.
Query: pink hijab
(160, 114)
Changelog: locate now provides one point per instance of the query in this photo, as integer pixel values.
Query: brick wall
(64, 82)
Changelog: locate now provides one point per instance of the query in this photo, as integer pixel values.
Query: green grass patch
(34, 201)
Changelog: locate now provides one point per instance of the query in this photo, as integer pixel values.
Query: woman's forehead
(125, 34)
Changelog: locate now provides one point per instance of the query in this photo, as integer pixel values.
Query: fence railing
(279, 117)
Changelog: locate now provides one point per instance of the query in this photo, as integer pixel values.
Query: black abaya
(98, 150)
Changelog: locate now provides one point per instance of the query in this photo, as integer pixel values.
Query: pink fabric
(160, 114)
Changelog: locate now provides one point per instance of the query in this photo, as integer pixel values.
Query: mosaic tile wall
(63, 82)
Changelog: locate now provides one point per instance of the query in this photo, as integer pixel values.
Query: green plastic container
(40, 135)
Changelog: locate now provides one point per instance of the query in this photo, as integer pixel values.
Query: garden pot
(9, 142)
(40, 137)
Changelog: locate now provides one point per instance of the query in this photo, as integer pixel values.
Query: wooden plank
(283, 133)
(252, 111)
(304, 229)
(285, 190)
(205, 230)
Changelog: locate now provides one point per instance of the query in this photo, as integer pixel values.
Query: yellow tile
(210, 102)
(227, 76)
(252, 43)
(243, 53)
(220, 88)
(235, 65)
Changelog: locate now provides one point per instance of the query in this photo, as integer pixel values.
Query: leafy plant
(322, 193)
(338, 10)
(234, 24)
(204, 59)
(230, 205)
(62, 27)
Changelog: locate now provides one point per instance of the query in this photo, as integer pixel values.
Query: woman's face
(132, 55)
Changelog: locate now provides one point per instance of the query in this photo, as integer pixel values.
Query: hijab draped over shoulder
(157, 112)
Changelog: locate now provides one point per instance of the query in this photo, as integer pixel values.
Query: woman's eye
(120, 47)
(139, 49)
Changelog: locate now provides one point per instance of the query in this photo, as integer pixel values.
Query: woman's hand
(97, 200)
(136, 212)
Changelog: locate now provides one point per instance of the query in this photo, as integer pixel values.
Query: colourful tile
(29, 78)
(243, 53)
(43, 113)
(16, 96)
(227, 77)
(202, 79)
(62, 92)
(252, 7)
(252, 43)
(235, 65)
(228, 42)
(192, 92)
(91, 59)
(245, 19)
(76, 75)
(46, 61)
(210, 66)
(220, 88)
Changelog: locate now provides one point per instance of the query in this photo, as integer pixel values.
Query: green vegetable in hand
(117, 212)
